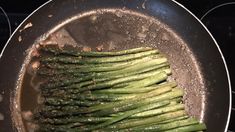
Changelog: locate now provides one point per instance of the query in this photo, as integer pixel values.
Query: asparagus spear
(140, 66)
(140, 88)
(144, 98)
(163, 127)
(173, 106)
(63, 102)
(190, 128)
(96, 96)
(81, 60)
(77, 88)
(121, 80)
(64, 82)
(73, 119)
(62, 108)
(59, 128)
(160, 110)
(175, 119)
(161, 67)
(110, 108)
(150, 120)
(127, 124)
(75, 52)
(130, 101)
(69, 68)
(136, 68)
(49, 90)
(110, 128)
(106, 76)
(91, 67)
(129, 113)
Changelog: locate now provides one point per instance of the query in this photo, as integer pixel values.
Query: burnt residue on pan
(118, 29)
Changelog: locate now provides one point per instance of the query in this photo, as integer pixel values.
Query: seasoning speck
(19, 38)
(27, 115)
(35, 65)
(86, 49)
(1, 117)
(50, 15)
(93, 18)
(28, 25)
(37, 46)
(1, 98)
(35, 53)
(100, 47)
(143, 5)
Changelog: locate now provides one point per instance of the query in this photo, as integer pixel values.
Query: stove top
(219, 18)
(217, 15)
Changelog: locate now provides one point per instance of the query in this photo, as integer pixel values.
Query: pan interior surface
(118, 29)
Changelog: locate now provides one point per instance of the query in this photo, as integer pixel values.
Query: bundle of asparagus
(110, 91)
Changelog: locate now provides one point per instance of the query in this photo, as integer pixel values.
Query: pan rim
(177, 3)
(9, 39)
(216, 7)
(222, 56)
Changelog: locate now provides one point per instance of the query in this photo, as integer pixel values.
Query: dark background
(27, 6)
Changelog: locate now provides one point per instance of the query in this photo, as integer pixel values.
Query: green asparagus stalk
(160, 110)
(190, 128)
(150, 120)
(121, 80)
(60, 128)
(70, 68)
(129, 106)
(106, 76)
(140, 66)
(130, 101)
(112, 64)
(129, 113)
(95, 96)
(81, 60)
(129, 124)
(63, 102)
(137, 68)
(64, 82)
(73, 119)
(161, 67)
(62, 108)
(75, 52)
(138, 88)
(109, 108)
(110, 83)
(175, 119)
(173, 106)
(50, 90)
(163, 127)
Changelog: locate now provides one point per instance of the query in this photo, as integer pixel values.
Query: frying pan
(197, 62)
